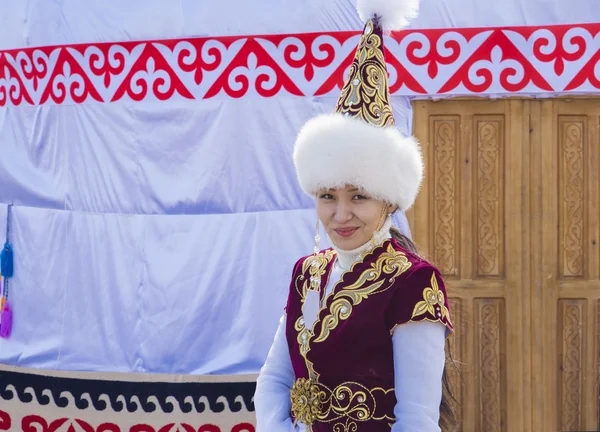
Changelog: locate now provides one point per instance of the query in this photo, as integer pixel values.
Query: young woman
(361, 346)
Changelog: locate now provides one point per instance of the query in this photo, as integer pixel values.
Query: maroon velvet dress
(344, 365)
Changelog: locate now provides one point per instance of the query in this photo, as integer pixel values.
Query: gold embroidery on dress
(313, 401)
(304, 336)
(298, 289)
(307, 400)
(433, 298)
(316, 265)
(390, 263)
(366, 94)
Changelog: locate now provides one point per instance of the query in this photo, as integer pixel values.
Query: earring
(383, 217)
(317, 239)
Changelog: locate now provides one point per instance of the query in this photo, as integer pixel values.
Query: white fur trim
(333, 150)
(394, 14)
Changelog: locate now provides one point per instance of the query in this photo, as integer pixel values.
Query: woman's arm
(419, 360)
(272, 397)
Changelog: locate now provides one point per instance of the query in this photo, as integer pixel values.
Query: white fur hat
(357, 144)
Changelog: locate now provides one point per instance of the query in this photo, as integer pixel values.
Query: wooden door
(513, 226)
(468, 221)
(565, 285)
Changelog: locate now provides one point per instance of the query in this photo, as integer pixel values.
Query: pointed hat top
(366, 93)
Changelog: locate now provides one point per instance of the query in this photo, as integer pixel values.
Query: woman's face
(349, 216)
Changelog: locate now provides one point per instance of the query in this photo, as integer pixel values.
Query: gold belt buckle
(307, 400)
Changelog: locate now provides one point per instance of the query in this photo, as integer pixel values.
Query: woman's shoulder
(417, 264)
(420, 294)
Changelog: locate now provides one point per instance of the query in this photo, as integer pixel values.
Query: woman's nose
(343, 213)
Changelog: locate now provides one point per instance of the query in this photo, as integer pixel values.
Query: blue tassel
(6, 261)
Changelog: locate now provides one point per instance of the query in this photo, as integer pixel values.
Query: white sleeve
(272, 397)
(419, 360)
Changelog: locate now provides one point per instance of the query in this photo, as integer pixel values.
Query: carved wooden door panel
(566, 285)
(510, 213)
(469, 221)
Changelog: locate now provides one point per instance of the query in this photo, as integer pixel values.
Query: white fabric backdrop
(146, 293)
(160, 236)
(40, 22)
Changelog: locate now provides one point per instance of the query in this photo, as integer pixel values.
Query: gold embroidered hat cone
(358, 144)
(366, 94)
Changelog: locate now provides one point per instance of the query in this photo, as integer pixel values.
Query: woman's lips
(345, 232)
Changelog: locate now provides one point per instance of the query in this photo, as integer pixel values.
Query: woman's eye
(327, 196)
(359, 197)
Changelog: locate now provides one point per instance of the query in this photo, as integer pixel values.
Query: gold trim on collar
(384, 271)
